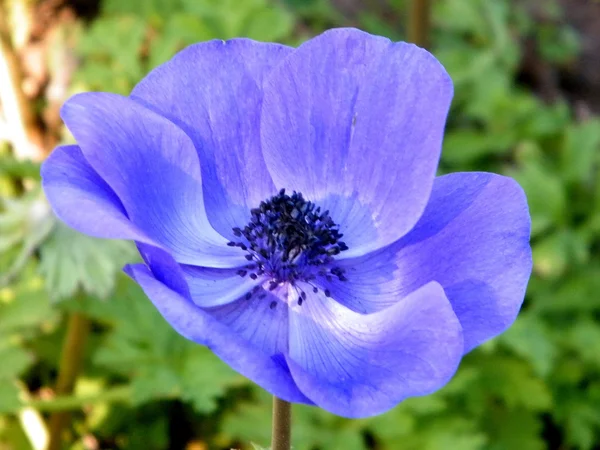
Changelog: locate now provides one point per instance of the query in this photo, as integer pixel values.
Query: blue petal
(473, 239)
(361, 365)
(213, 91)
(372, 282)
(152, 167)
(261, 320)
(163, 285)
(83, 200)
(215, 287)
(359, 116)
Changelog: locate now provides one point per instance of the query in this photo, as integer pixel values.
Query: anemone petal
(360, 365)
(213, 91)
(359, 116)
(152, 167)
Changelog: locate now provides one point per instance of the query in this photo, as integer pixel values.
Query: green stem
(71, 360)
(121, 394)
(419, 22)
(282, 425)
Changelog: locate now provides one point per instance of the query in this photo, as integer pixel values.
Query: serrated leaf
(159, 362)
(154, 382)
(252, 423)
(580, 149)
(546, 196)
(452, 434)
(575, 293)
(584, 338)
(204, 379)
(394, 425)
(581, 415)
(512, 381)
(72, 261)
(530, 338)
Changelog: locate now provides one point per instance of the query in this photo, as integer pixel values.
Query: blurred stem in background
(18, 123)
(419, 22)
(71, 361)
(282, 425)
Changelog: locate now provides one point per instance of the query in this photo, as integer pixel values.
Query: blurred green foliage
(143, 387)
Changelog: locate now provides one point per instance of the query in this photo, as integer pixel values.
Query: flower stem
(282, 425)
(71, 360)
(418, 22)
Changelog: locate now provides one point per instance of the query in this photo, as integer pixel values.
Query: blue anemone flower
(286, 207)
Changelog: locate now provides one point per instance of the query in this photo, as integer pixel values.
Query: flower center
(290, 239)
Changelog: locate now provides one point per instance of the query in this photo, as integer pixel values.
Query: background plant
(143, 387)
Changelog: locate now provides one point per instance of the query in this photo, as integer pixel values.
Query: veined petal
(358, 365)
(215, 287)
(213, 91)
(372, 282)
(83, 200)
(203, 327)
(261, 320)
(473, 239)
(152, 167)
(362, 117)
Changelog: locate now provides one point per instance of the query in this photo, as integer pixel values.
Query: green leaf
(550, 255)
(269, 23)
(24, 305)
(513, 382)
(15, 361)
(580, 151)
(251, 422)
(465, 146)
(575, 293)
(312, 427)
(72, 261)
(394, 425)
(581, 416)
(584, 338)
(546, 196)
(9, 397)
(112, 51)
(205, 378)
(12, 167)
(153, 382)
(530, 338)
(159, 362)
(515, 429)
(24, 224)
(451, 433)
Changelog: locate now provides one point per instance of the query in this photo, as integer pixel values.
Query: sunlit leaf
(72, 261)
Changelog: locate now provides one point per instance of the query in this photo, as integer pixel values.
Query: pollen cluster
(290, 239)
